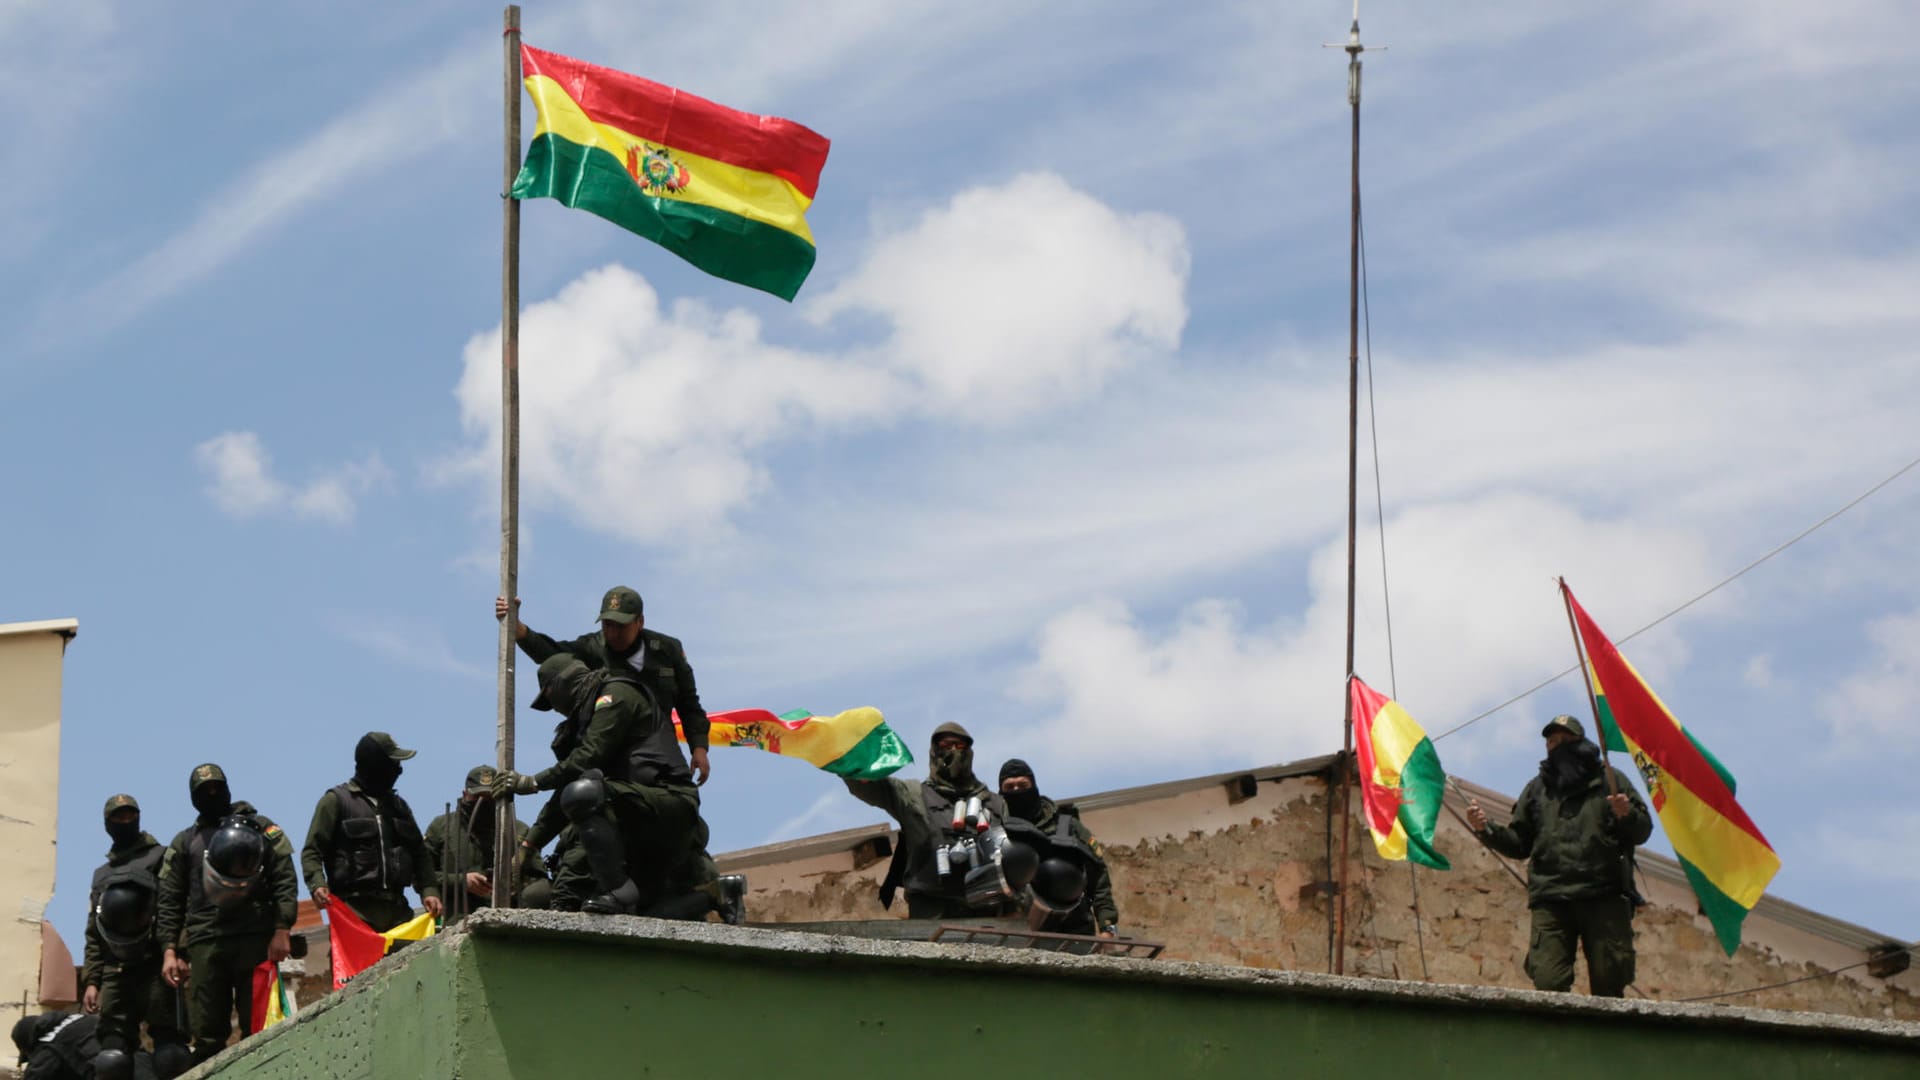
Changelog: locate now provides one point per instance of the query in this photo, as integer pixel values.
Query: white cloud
(1878, 700)
(1845, 842)
(412, 643)
(243, 484)
(1013, 297)
(1475, 610)
(648, 421)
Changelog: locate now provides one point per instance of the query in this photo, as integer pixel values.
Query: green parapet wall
(536, 994)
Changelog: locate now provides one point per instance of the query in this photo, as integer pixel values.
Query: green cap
(121, 802)
(480, 780)
(621, 605)
(1564, 722)
(203, 775)
(951, 728)
(392, 749)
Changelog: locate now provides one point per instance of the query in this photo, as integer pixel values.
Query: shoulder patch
(605, 700)
(273, 831)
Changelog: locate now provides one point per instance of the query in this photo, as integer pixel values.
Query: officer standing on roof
(122, 972)
(228, 898)
(1578, 842)
(624, 785)
(1072, 891)
(364, 845)
(460, 852)
(932, 818)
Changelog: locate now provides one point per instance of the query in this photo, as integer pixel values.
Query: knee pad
(583, 798)
(170, 1060)
(113, 1065)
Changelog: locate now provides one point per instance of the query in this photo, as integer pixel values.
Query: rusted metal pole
(1354, 49)
(504, 839)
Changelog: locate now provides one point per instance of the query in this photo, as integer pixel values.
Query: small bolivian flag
(725, 190)
(355, 946)
(856, 744)
(271, 1004)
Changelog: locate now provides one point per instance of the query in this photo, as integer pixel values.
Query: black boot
(623, 899)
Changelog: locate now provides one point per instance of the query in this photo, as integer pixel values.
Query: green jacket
(99, 958)
(323, 838)
(1099, 882)
(474, 854)
(620, 716)
(663, 668)
(1576, 849)
(187, 917)
(906, 802)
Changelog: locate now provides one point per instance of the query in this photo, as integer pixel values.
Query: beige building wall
(30, 661)
(1233, 869)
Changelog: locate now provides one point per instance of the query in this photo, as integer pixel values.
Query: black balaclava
(124, 832)
(372, 767)
(1570, 766)
(1024, 805)
(213, 800)
(952, 770)
(566, 684)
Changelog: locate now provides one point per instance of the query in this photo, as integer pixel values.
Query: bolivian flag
(856, 744)
(356, 946)
(725, 190)
(1727, 861)
(1401, 782)
(270, 1001)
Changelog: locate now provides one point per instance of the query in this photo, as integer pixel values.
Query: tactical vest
(652, 758)
(371, 850)
(142, 871)
(920, 871)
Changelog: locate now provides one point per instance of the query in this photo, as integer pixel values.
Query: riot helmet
(236, 853)
(124, 915)
(1059, 883)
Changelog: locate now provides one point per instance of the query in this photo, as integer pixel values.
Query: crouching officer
(364, 845)
(624, 786)
(460, 852)
(66, 1046)
(227, 902)
(1072, 892)
(934, 823)
(122, 972)
(1578, 841)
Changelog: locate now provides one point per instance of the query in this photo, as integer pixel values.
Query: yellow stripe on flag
(754, 195)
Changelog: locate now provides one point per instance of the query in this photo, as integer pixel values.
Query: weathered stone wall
(1241, 883)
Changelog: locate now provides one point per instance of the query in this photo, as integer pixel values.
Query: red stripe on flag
(264, 975)
(683, 121)
(1642, 719)
(1382, 804)
(354, 945)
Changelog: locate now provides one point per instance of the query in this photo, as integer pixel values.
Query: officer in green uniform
(460, 852)
(659, 662)
(1579, 843)
(1072, 888)
(364, 845)
(624, 786)
(122, 970)
(228, 896)
(925, 812)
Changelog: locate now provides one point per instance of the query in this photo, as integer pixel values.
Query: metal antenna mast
(1353, 49)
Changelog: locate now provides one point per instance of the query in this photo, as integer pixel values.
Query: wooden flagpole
(1586, 680)
(505, 862)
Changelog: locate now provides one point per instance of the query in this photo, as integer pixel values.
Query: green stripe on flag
(1723, 911)
(879, 754)
(723, 244)
(1423, 783)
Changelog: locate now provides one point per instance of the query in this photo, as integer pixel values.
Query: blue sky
(1053, 441)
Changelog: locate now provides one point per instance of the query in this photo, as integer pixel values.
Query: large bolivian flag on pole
(1401, 782)
(725, 190)
(856, 744)
(1726, 859)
